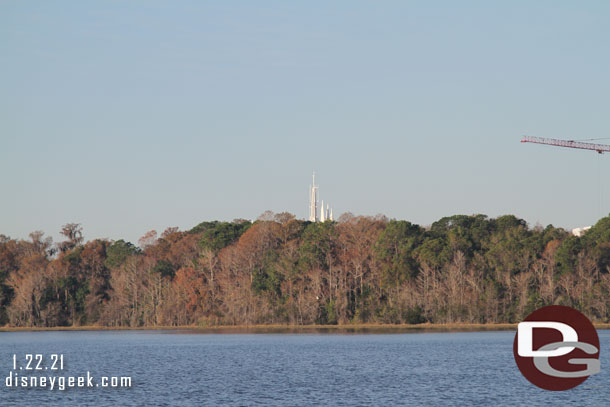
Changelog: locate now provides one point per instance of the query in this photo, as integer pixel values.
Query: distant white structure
(313, 200)
(317, 214)
(578, 232)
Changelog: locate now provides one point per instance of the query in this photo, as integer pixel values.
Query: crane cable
(601, 186)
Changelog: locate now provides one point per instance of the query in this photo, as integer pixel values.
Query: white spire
(313, 200)
(322, 214)
(317, 213)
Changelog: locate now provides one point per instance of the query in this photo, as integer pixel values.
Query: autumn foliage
(283, 270)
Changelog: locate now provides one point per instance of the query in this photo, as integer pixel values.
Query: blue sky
(131, 116)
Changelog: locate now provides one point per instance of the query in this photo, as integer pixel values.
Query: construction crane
(600, 148)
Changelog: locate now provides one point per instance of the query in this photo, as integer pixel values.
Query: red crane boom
(600, 148)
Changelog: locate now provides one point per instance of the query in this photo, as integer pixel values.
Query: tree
(118, 252)
(283, 270)
(218, 235)
(149, 239)
(395, 248)
(74, 235)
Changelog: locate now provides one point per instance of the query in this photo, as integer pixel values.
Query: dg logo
(556, 348)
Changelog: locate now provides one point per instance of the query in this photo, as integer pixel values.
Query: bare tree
(74, 235)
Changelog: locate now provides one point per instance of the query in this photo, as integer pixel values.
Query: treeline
(282, 270)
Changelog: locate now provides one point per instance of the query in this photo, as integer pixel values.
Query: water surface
(177, 368)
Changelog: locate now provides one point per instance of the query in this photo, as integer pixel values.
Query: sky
(140, 115)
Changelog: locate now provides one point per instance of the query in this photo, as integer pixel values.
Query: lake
(192, 369)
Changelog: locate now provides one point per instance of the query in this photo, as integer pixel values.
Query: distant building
(318, 213)
(578, 232)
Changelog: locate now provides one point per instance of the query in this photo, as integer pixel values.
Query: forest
(281, 270)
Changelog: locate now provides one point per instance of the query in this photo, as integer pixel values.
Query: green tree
(118, 252)
(395, 248)
(218, 235)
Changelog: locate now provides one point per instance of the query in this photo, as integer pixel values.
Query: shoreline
(294, 329)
